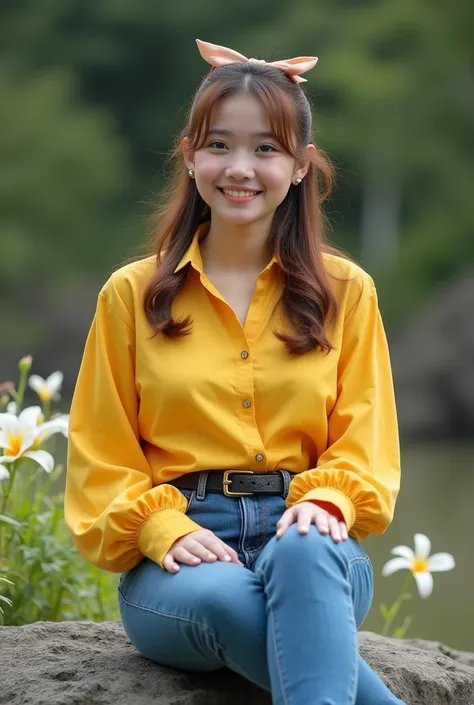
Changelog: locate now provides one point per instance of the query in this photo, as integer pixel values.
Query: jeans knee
(293, 548)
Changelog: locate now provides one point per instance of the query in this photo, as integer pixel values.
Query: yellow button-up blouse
(148, 409)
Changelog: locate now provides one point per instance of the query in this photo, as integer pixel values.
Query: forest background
(91, 97)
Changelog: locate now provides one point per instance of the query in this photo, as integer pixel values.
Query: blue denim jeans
(287, 620)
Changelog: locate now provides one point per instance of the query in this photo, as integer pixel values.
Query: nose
(239, 168)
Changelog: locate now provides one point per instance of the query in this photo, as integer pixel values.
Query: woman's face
(242, 172)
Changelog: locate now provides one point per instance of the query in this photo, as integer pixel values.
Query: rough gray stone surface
(85, 663)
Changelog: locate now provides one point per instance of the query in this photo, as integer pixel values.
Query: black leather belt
(234, 483)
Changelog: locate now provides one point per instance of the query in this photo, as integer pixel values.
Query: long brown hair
(296, 236)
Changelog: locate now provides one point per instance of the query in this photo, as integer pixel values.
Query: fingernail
(305, 529)
(279, 532)
(227, 558)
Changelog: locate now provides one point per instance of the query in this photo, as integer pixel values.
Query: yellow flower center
(419, 565)
(45, 394)
(14, 442)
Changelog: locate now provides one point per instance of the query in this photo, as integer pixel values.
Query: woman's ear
(305, 161)
(188, 154)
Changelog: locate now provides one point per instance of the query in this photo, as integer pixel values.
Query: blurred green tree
(61, 183)
(394, 106)
(62, 174)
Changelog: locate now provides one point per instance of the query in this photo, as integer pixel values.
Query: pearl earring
(298, 181)
(191, 173)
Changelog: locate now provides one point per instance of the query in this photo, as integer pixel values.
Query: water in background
(436, 499)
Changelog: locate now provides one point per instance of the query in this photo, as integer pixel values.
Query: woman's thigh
(212, 614)
(201, 618)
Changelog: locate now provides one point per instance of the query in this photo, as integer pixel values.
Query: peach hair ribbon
(221, 56)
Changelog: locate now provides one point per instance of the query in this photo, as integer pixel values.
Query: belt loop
(286, 482)
(202, 482)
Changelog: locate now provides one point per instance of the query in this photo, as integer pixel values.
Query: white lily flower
(420, 563)
(58, 424)
(4, 474)
(47, 389)
(19, 436)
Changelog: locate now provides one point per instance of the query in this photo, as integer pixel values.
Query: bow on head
(221, 56)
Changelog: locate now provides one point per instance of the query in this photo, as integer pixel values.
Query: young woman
(233, 432)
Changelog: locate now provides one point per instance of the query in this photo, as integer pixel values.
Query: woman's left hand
(307, 513)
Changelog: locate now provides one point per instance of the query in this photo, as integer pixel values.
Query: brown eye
(267, 148)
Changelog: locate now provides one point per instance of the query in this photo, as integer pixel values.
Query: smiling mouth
(238, 193)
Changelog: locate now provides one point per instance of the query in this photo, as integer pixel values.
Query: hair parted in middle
(297, 231)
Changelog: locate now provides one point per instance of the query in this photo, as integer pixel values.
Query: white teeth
(239, 194)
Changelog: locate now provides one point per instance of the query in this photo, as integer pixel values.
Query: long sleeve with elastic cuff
(114, 513)
(359, 472)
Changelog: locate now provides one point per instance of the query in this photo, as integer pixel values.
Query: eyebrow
(229, 133)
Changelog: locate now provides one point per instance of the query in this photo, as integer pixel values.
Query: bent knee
(295, 547)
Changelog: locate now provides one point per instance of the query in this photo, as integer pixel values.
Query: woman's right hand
(198, 546)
